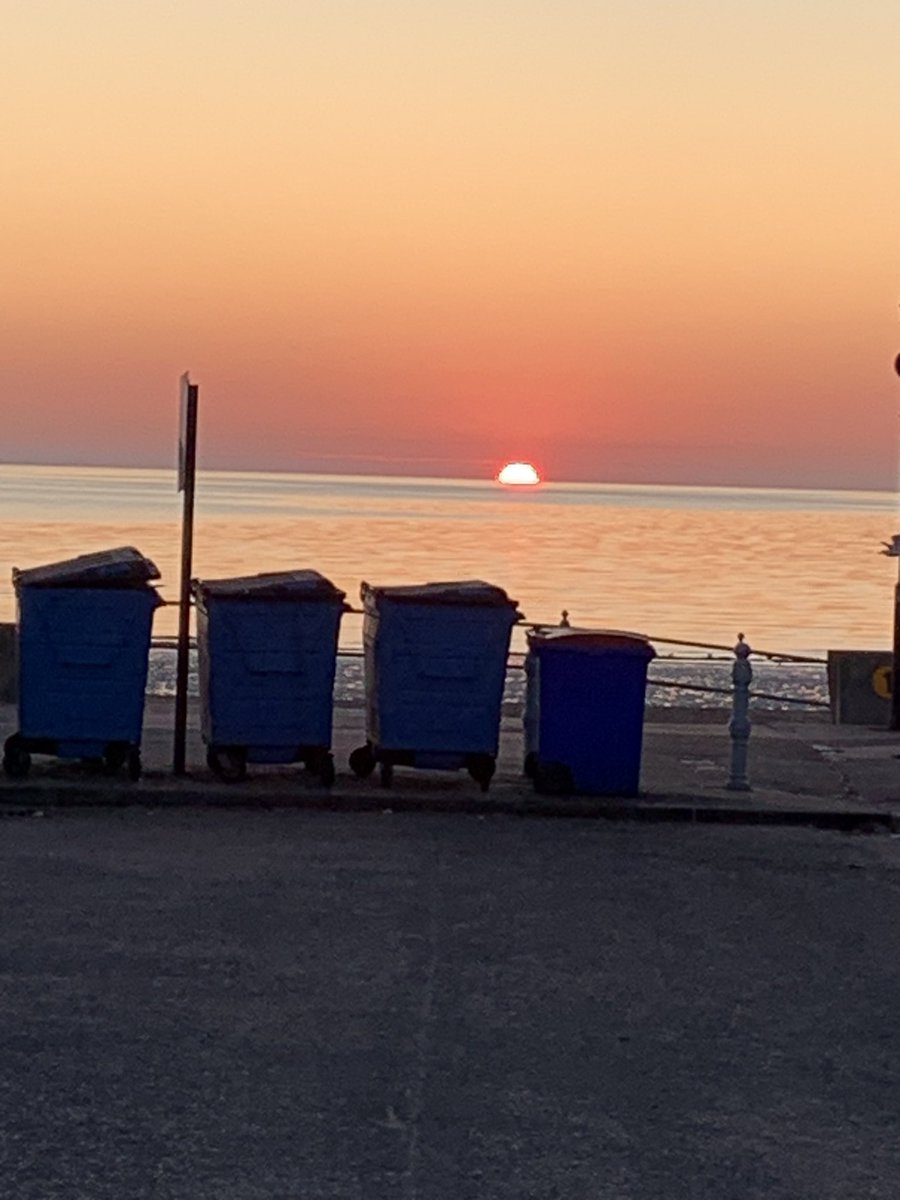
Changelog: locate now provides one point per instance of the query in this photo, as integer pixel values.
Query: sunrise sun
(519, 474)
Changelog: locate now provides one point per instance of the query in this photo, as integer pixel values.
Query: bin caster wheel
(135, 769)
(114, 757)
(228, 762)
(362, 761)
(553, 779)
(326, 770)
(386, 770)
(530, 765)
(481, 767)
(16, 759)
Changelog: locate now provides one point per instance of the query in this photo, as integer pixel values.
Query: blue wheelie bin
(435, 666)
(84, 629)
(267, 650)
(584, 710)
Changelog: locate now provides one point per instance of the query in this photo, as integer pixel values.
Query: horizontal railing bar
(171, 643)
(754, 695)
(773, 654)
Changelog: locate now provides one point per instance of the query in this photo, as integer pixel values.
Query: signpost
(187, 461)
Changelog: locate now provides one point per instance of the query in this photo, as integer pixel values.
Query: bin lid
(591, 641)
(271, 585)
(459, 592)
(122, 567)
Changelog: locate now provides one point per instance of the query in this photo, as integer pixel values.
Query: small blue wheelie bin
(267, 649)
(584, 710)
(435, 664)
(84, 630)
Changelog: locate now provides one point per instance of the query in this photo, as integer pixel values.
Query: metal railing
(516, 663)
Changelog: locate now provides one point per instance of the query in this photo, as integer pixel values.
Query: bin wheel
(481, 767)
(16, 759)
(326, 770)
(115, 756)
(530, 764)
(386, 770)
(362, 761)
(553, 779)
(135, 768)
(228, 762)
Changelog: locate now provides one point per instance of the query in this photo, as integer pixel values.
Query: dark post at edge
(893, 551)
(186, 469)
(895, 665)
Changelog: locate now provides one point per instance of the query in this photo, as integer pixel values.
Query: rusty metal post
(187, 461)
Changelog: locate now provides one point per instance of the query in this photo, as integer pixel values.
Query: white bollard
(739, 725)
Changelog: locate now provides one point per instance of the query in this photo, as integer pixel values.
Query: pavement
(263, 992)
(801, 769)
(281, 1004)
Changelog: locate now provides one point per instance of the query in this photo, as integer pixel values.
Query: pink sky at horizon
(626, 242)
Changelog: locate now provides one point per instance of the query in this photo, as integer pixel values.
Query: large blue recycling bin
(435, 666)
(84, 630)
(267, 648)
(584, 710)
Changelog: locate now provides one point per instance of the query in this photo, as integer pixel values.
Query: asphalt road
(271, 1005)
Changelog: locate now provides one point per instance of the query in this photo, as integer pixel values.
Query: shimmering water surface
(796, 571)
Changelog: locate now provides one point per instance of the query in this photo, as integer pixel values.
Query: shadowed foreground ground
(262, 1006)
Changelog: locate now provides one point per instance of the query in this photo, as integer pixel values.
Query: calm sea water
(796, 571)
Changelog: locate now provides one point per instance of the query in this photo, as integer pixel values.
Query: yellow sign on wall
(881, 682)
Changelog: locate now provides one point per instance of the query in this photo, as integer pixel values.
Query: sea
(797, 572)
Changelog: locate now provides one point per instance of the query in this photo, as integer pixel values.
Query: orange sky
(625, 241)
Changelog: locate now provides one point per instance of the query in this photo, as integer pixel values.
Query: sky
(628, 241)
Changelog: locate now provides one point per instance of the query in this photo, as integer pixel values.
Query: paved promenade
(264, 993)
(800, 766)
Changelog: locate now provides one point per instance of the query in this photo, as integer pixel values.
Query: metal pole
(892, 550)
(187, 466)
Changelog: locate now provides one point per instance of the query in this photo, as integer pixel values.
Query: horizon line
(462, 478)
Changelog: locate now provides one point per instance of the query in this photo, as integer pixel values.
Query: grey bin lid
(590, 641)
(273, 585)
(460, 592)
(123, 567)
